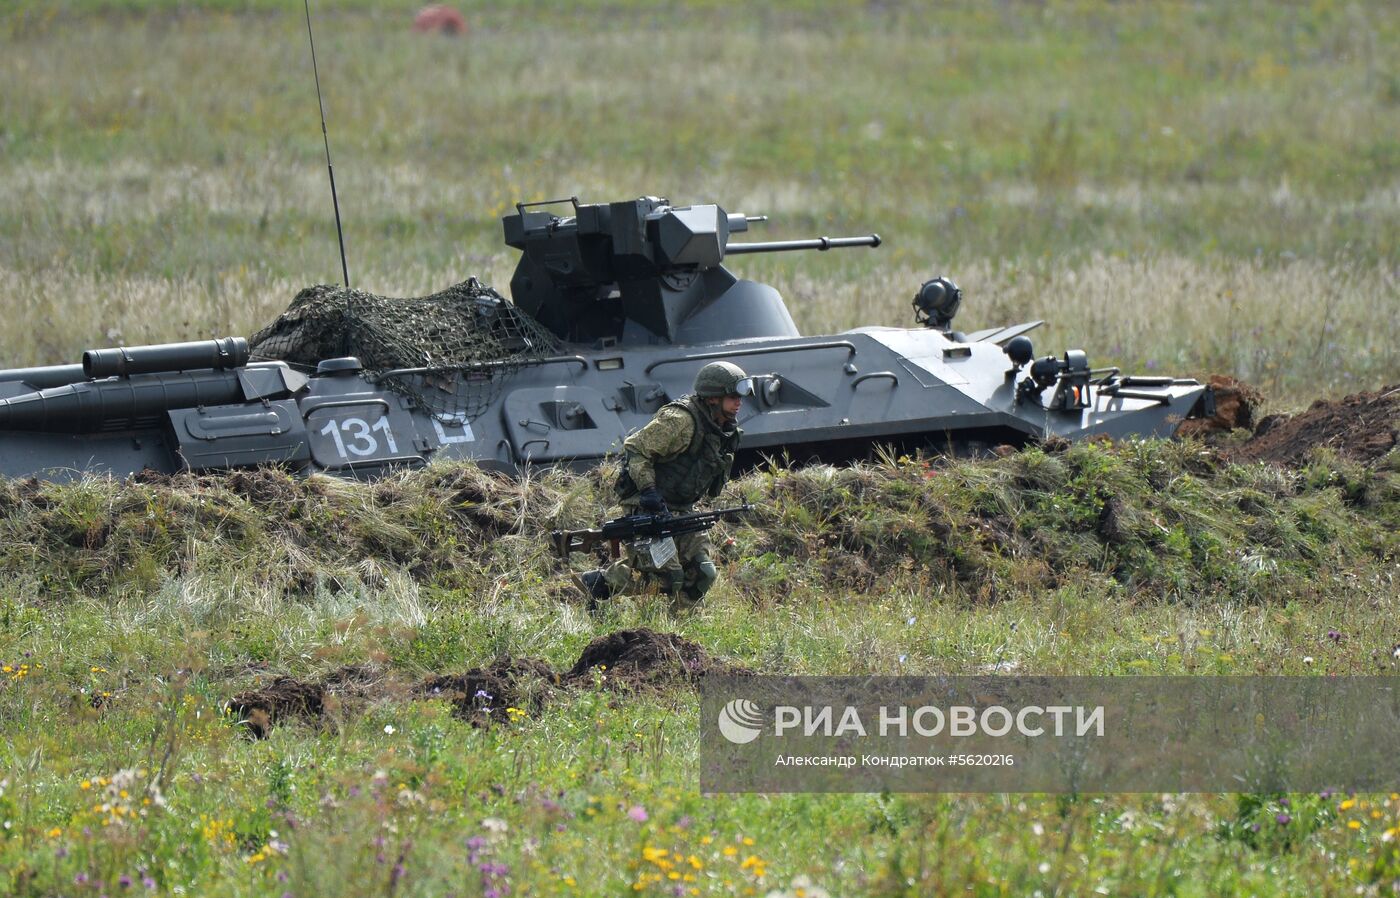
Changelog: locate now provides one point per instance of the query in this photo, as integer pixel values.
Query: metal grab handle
(756, 350)
(308, 409)
(521, 207)
(864, 377)
(1112, 391)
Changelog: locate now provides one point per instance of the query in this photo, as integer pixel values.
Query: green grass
(1202, 189)
(164, 599)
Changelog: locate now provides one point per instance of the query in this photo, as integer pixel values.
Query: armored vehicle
(615, 308)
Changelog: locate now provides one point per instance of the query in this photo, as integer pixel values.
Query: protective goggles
(743, 387)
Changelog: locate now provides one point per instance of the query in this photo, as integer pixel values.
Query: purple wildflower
(148, 882)
(1283, 819)
(1334, 636)
(124, 881)
(80, 878)
(637, 813)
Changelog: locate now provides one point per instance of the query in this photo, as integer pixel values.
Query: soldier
(685, 453)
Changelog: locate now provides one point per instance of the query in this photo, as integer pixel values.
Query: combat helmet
(723, 379)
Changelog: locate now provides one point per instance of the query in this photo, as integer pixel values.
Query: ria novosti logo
(741, 721)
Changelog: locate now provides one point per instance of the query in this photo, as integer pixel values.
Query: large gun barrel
(229, 352)
(130, 387)
(118, 404)
(821, 244)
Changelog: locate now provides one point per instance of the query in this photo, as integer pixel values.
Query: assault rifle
(633, 527)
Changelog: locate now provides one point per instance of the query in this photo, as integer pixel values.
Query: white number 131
(360, 434)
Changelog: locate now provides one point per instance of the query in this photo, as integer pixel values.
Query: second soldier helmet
(723, 379)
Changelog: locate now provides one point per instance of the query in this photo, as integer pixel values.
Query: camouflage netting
(463, 343)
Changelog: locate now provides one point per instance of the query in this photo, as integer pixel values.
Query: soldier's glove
(652, 502)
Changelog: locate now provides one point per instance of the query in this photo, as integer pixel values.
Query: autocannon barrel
(230, 352)
(821, 244)
(110, 405)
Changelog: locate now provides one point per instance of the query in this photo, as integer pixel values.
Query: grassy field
(134, 612)
(1206, 188)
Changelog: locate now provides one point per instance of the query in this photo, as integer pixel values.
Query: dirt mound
(646, 658)
(286, 697)
(496, 693)
(1362, 427)
(507, 690)
(1236, 405)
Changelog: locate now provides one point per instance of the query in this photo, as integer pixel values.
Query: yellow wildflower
(1348, 804)
(1353, 824)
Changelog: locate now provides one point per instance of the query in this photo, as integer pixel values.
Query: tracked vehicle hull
(832, 398)
(632, 300)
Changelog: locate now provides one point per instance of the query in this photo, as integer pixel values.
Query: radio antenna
(339, 234)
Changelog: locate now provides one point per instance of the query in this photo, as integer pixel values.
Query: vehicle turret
(644, 272)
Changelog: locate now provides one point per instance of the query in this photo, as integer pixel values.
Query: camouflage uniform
(686, 456)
